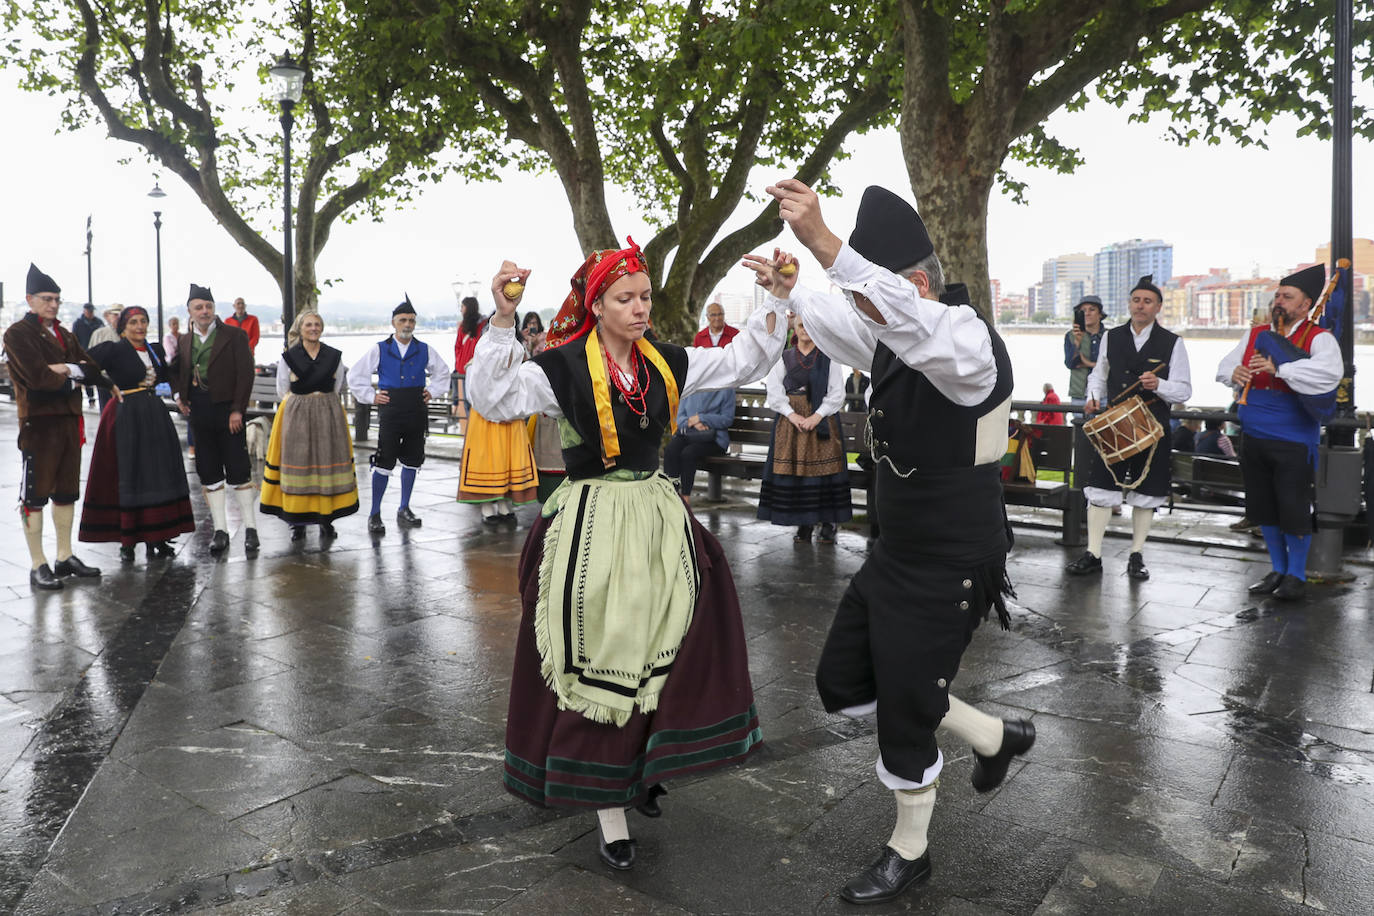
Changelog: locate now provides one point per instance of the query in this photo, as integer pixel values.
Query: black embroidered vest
(312, 375)
(1125, 364)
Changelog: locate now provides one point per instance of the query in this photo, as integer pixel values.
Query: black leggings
(683, 454)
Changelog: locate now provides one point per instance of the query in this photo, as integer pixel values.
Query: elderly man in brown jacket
(212, 378)
(48, 366)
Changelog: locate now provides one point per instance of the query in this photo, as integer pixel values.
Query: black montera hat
(39, 282)
(888, 231)
(199, 292)
(1310, 280)
(405, 308)
(1147, 282)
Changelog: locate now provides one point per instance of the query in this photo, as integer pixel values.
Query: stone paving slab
(320, 730)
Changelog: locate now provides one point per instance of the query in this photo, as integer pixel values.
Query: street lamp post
(157, 194)
(289, 78)
(90, 296)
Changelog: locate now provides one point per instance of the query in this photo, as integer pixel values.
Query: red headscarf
(599, 271)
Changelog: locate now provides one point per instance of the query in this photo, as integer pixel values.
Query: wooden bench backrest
(1051, 445)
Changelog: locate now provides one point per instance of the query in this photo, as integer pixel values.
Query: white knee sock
(488, 510)
(247, 498)
(33, 533)
(62, 517)
(505, 506)
(613, 826)
(914, 808)
(1140, 527)
(981, 731)
(1098, 517)
(215, 500)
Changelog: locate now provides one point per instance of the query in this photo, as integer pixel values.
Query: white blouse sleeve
(835, 325)
(360, 376)
(1178, 387)
(283, 378)
(775, 398)
(502, 385)
(438, 374)
(745, 360)
(834, 392)
(1230, 361)
(341, 378)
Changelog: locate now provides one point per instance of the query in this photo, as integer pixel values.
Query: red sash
(1302, 339)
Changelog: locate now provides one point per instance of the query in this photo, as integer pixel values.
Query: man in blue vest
(402, 396)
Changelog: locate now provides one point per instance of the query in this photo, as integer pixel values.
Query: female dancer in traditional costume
(630, 666)
(309, 478)
(136, 490)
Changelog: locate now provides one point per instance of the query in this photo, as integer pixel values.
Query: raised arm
(501, 384)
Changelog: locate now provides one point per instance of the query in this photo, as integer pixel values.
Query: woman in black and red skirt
(136, 490)
(630, 666)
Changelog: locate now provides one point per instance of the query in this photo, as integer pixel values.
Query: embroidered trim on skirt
(704, 718)
(136, 489)
(309, 477)
(497, 462)
(806, 478)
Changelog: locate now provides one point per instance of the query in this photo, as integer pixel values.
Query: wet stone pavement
(319, 730)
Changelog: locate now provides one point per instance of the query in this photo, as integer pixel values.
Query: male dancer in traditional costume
(401, 363)
(47, 366)
(1281, 434)
(212, 379)
(938, 416)
(1144, 358)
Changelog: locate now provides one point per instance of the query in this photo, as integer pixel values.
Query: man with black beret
(401, 364)
(938, 413)
(47, 366)
(212, 378)
(1281, 363)
(1137, 358)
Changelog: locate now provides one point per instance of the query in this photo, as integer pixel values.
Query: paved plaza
(319, 730)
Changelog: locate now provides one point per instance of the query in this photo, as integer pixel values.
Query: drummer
(1142, 358)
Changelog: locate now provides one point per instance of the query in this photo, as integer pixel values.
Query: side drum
(1123, 430)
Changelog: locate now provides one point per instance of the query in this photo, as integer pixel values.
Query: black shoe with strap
(327, 532)
(375, 525)
(74, 567)
(1291, 588)
(1018, 736)
(1268, 584)
(407, 519)
(886, 878)
(250, 541)
(219, 543)
(649, 807)
(297, 532)
(1135, 567)
(619, 854)
(1086, 565)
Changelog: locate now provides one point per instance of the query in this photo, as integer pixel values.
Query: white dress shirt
(360, 376)
(1175, 389)
(504, 387)
(949, 344)
(1317, 375)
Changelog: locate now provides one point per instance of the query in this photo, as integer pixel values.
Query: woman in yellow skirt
(498, 468)
(309, 478)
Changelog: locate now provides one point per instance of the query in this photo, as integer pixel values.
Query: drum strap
(1149, 457)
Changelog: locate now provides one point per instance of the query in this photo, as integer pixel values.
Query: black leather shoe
(1135, 567)
(250, 540)
(1290, 589)
(1086, 565)
(649, 807)
(327, 531)
(620, 855)
(803, 534)
(1266, 585)
(220, 542)
(491, 521)
(1018, 735)
(407, 519)
(508, 518)
(43, 578)
(126, 554)
(886, 878)
(297, 532)
(163, 548)
(827, 533)
(374, 524)
(74, 567)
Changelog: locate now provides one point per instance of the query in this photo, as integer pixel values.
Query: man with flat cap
(401, 364)
(1284, 364)
(937, 428)
(47, 366)
(1137, 358)
(212, 378)
(1081, 345)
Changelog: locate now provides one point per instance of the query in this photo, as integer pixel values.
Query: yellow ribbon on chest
(601, 392)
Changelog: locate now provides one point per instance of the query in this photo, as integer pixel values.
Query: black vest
(566, 368)
(312, 375)
(1125, 364)
(917, 426)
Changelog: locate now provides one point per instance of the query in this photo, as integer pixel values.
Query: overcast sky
(1220, 206)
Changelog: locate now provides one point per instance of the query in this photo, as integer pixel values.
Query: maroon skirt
(136, 489)
(705, 716)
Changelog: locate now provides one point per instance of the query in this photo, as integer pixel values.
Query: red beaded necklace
(627, 383)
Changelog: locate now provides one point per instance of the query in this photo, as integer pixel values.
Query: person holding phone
(1081, 345)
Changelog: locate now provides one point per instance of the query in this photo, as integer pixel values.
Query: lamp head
(288, 79)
